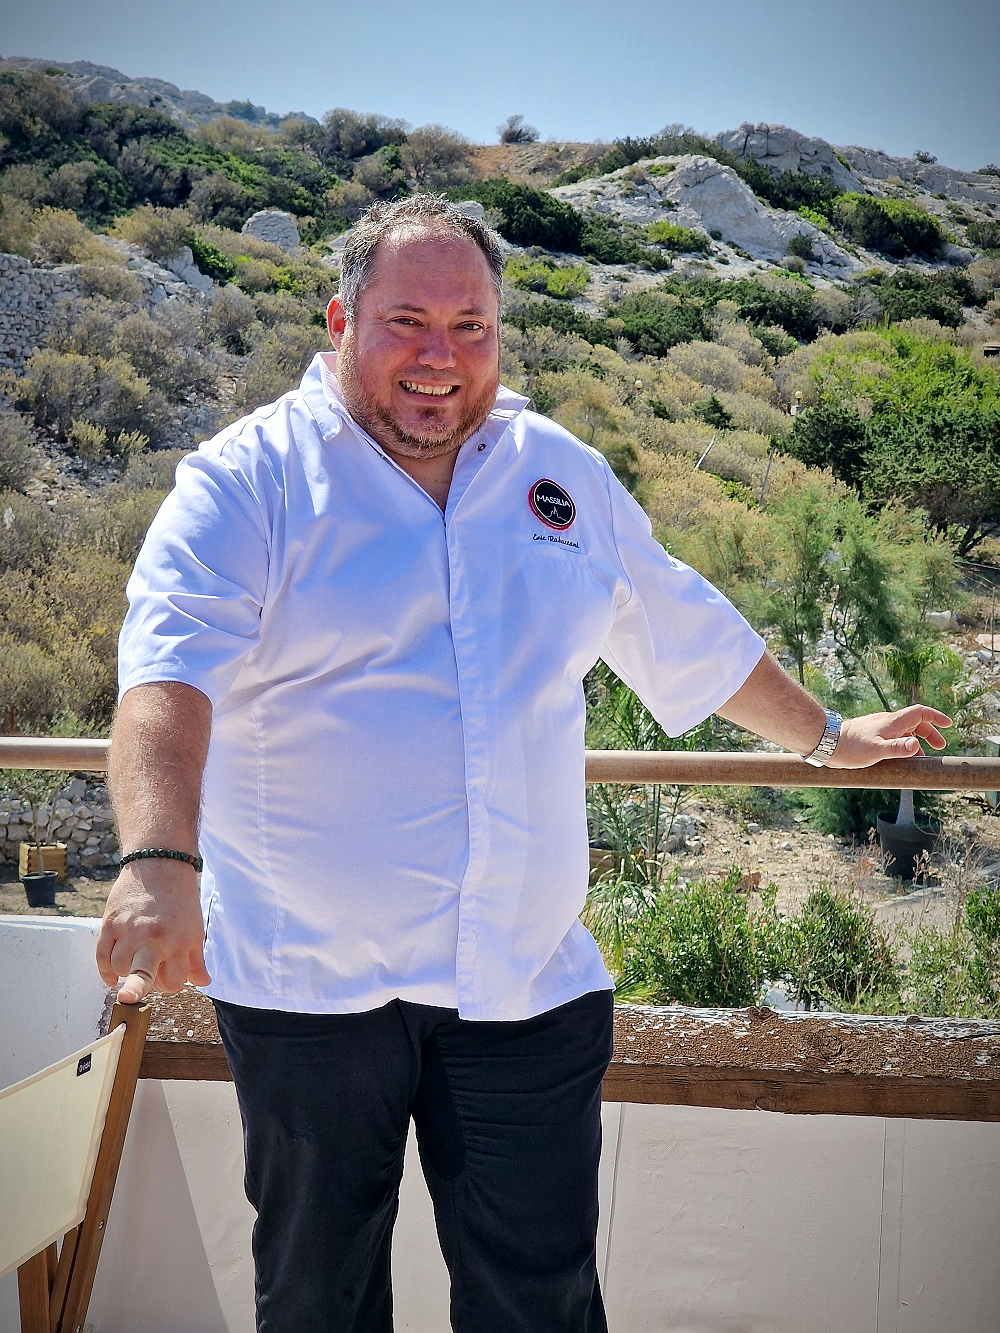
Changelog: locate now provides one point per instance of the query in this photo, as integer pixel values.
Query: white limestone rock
(876, 167)
(780, 148)
(702, 194)
(182, 265)
(274, 225)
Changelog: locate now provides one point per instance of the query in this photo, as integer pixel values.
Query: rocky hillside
(89, 83)
(764, 333)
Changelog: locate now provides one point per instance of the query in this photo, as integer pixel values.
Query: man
(357, 636)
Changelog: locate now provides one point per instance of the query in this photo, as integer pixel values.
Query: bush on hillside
(528, 216)
(654, 321)
(59, 388)
(984, 233)
(276, 364)
(801, 246)
(530, 314)
(561, 281)
(516, 130)
(17, 450)
(436, 158)
(59, 237)
(682, 240)
(346, 135)
(158, 232)
(891, 226)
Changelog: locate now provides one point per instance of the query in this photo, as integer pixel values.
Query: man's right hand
(152, 933)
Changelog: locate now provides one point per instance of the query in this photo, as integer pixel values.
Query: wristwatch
(827, 742)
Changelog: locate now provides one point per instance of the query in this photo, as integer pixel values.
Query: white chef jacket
(393, 801)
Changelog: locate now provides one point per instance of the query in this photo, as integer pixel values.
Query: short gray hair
(429, 215)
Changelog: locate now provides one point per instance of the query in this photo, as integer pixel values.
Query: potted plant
(37, 787)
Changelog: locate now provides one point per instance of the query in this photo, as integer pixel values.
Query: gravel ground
(778, 846)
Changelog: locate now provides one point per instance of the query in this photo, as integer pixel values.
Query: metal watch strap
(827, 742)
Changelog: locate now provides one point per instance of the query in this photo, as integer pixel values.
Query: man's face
(419, 365)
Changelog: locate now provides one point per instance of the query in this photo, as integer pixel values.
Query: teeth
(436, 390)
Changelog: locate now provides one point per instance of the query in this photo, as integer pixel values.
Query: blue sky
(891, 74)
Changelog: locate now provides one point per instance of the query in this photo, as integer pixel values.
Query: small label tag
(551, 504)
(83, 1065)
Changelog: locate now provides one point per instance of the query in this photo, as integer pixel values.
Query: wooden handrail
(685, 768)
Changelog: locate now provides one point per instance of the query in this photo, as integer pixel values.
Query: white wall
(712, 1221)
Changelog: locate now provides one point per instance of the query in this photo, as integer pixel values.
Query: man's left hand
(867, 740)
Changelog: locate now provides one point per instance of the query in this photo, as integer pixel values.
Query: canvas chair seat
(61, 1136)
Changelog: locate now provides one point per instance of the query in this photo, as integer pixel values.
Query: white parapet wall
(712, 1221)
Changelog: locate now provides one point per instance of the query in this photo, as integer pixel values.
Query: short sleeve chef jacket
(394, 795)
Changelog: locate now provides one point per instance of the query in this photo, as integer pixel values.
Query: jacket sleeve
(676, 640)
(197, 590)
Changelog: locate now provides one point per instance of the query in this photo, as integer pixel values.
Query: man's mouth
(434, 390)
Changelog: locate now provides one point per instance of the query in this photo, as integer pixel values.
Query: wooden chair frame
(54, 1287)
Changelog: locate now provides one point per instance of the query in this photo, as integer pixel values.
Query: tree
(944, 457)
(516, 130)
(435, 158)
(799, 578)
(830, 435)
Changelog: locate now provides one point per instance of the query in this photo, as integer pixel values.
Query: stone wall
(28, 300)
(80, 817)
(30, 294)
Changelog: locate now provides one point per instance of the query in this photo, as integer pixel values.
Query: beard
(380, 421)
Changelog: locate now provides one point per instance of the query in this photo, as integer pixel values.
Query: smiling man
(354, 654)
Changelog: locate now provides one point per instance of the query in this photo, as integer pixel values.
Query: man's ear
(335, 321)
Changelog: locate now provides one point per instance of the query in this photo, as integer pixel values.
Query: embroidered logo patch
(551, 504)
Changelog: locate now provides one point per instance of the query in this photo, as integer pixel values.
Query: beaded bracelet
(163, 853)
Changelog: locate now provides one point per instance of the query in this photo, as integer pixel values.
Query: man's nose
(436, 348)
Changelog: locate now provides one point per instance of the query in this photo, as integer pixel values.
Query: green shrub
(801, 246)
(55, 387)
(61, 238)
(562, 281)
(837, 954)
(700, 945)
(785, 302)
(713, 413)
(110, 280)
(679, 239)
(528, 216)
(906, 294)
(563, 319)
(984, 233)
(211, 260)
(276, 364)
(891, 226)
(609, 242)
(158, 232)
(956, 973)
(818, 219)
(654, 322)
(89, 442)
(231, 315)
(17, 450)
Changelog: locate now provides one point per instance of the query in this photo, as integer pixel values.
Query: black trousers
(508, 1125)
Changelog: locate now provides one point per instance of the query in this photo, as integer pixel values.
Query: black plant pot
(905, 844)
(40, 888)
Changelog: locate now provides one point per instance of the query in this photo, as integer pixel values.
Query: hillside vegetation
(660, 344)
(787, 365)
